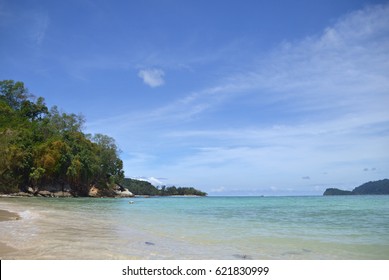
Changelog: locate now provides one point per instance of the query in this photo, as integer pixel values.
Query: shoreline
(4, 217)
(8, 216)
(186, 229)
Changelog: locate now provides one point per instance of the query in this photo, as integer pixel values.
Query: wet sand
(8, 216)
(4, 250)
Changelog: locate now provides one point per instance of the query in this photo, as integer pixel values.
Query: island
(380, 187)
(145, 188)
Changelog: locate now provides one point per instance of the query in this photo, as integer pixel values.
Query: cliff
(380, 187)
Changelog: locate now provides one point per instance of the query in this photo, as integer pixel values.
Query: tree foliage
(139, 187)
(41, 147)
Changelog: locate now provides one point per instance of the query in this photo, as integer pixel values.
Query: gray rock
(45, 194)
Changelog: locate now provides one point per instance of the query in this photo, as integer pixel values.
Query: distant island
(144, 188)
(380, 187)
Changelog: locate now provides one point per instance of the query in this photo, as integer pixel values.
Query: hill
(139, 187)
(334, 191)
(380, 187)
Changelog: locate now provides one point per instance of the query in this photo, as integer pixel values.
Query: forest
(379, 187)
(139, 187)
(41, 147)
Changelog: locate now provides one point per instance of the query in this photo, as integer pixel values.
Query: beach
(169, 228)
(6, 216)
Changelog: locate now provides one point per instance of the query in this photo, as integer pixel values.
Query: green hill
(140, 187)
(380, 187)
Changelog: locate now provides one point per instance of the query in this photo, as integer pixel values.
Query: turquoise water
(339, 227)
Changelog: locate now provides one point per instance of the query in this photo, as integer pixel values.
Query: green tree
(61, 122)
(13, 93)
(10, 160)
(41, 147)
(110, 163)
(34, 111)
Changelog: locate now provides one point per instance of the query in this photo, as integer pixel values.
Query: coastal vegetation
(45, 152)
(139, 187)
(380, 187)
(42, 147)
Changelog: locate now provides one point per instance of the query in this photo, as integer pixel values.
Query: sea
(198, 228)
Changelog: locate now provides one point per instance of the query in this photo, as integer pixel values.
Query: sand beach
(7, 216)
(194, 228)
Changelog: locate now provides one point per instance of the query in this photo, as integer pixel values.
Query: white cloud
(342, 69)
(334, 84)
(152, 180)
(29, 24)
(152, 77)
(39, 27)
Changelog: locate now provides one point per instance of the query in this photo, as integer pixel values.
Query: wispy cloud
(31, 24)
(40, 23)
(334, 86)
(343, 70)
(152, 77)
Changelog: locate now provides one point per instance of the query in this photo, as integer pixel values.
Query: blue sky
(231, 97)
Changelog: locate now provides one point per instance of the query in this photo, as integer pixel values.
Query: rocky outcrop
(62, 194)
(55, 191)
(380, 187)
(44, 194)
(93, 192)
(118, 191)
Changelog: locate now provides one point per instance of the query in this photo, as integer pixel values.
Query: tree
(110, 163)
(34, 111)
(41, 147)
(11, 159)
(61, 122)
(13, 93)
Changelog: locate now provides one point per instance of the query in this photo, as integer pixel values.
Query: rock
(62, 194)
(31, 190)
(45, 194)
(23, 194)
(93, 192)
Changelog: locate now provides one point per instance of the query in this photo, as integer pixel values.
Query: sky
(233, 97)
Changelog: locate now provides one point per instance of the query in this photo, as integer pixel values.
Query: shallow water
(339, 227)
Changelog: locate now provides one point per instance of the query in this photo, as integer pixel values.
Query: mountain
(380, 187)
(376, 187)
